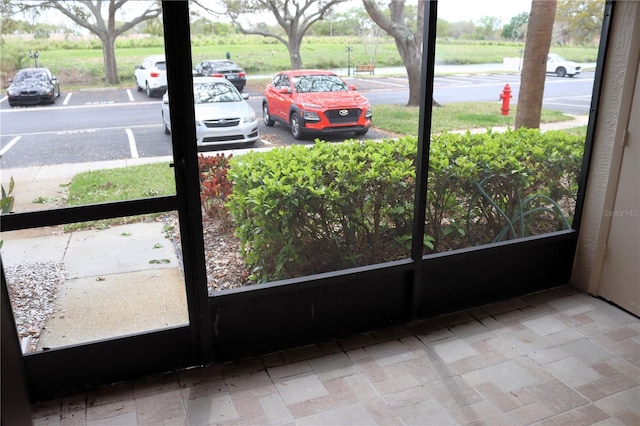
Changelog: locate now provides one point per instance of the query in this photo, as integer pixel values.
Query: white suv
(559, 66)
(152, 75)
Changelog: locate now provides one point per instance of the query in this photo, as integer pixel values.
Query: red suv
(315, 101)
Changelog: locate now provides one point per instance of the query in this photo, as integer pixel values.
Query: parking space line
(576, 105)
(577, 97)
(132, 143)
(97, 129)
(66, 99)
(130, 95)
(9, 145)
(382, 83)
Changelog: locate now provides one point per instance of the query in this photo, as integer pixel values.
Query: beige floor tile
(255, 383)
(454, 392)
(452, 350)
(159, 406)
(332, 366)
(583, 416)
(355, 414)
(109, 394)
(300, 388)
(425, 413)
(275, 410)
(73, 417)
(558, 397)
(211, 409)
(390, 352)
(111, 410)
(321, 404)
(125, 419)
(529, 414)
(361, 387)
(573, 372)
(49, 420)
(553, 358)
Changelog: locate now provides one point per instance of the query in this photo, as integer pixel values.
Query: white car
(223, 115)
(559, 66)
(151, 76)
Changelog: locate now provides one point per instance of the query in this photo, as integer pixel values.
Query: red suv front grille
(344, 115)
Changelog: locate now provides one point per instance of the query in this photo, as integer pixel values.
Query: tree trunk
(411, 54)
(109, 57)
(408, 41)
(294, 57)
(295, 41)
(534, 64)
(80, 13)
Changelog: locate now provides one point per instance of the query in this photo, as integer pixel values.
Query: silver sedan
(223, 115)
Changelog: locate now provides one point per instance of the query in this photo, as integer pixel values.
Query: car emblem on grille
(222, 121)
(343, 112)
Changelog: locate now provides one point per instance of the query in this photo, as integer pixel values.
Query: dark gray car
(32, 86)
(223, 68)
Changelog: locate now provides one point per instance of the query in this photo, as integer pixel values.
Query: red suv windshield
(318, 83)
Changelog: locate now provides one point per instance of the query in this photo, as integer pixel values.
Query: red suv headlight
(310, 116)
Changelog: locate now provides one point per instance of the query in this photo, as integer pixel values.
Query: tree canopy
(516, 29)
(100, 18)
(579, 21)
(295, 17)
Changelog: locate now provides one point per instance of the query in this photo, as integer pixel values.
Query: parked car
(559, 66)
(31, 86)
(151, 76)
(315, 101)
(223, 115)
(223, 68)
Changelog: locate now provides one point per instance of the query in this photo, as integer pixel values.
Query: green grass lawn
(127, 183)
(108, 185)
(403, 120)
(80, 63)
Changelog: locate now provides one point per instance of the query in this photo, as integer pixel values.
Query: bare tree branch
(295, 17)
(408, 40)
(89, 15)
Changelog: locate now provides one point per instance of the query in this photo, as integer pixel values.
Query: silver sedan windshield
(207, 93)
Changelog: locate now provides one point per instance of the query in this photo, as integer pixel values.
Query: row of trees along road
(295, 18)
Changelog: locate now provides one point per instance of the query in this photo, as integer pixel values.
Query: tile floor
(554, 358)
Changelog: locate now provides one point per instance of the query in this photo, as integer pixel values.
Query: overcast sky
(469, 10)
(473, 10)
(449, 10)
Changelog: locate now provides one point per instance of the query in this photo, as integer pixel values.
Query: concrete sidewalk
(121, 280)
(577, 121)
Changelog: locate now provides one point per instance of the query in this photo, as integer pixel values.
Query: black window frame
(295, 312)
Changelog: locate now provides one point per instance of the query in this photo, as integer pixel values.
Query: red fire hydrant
(505, 96)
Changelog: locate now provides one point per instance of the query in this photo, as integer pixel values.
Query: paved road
(111, 124)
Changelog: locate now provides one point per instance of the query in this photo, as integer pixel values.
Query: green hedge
(492, 187)
(303, 210)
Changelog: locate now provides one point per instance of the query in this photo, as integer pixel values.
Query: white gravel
(32, 292)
